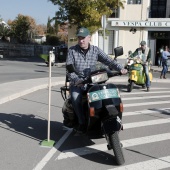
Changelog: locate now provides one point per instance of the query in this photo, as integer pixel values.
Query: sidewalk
(12, 90)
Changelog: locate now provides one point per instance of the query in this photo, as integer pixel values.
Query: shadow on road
(30, 126)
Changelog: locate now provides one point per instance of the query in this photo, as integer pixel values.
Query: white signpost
(47, 142)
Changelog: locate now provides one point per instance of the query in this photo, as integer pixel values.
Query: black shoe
(148, 89)
(81, 129)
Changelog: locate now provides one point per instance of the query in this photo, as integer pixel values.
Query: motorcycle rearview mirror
(118, 51)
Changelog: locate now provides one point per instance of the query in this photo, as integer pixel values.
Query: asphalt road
(23, 70)
(23, 125)
(20, 70)
(146, 137)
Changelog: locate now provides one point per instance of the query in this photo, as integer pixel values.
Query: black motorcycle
(103, 108)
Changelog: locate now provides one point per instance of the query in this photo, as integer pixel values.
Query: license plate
(103, 94)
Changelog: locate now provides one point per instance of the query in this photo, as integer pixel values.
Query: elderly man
(145, 53)
(81, 60)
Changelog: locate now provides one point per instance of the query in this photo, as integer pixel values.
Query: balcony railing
(159, 12)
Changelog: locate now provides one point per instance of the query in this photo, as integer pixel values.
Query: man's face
(143, 47)
(84, 41)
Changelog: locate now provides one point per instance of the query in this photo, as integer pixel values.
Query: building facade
(147, 20)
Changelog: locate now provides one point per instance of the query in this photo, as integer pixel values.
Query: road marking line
(103, 147)
(145, 123)
(157, 163)
(49, 155)
(144, 97)
(144, 104)
(146, 112)
(151, 92)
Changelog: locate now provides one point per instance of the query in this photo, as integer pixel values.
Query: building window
(134, 2)
(159, 9)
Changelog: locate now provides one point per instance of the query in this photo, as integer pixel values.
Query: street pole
(49, 96)
(48, 142)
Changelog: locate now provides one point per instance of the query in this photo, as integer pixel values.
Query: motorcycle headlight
(99, 77)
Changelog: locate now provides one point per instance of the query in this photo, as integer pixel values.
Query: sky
(40, 10)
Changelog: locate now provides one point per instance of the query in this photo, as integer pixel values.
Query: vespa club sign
(140, 23)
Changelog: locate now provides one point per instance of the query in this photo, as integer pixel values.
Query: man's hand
(124, 71)
(79, 83)
(145, 63)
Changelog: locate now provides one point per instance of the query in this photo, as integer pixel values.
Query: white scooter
(52, 56)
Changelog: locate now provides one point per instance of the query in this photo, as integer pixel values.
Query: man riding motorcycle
(144, 53)
(81, 60)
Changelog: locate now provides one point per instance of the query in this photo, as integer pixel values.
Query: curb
(11, 91)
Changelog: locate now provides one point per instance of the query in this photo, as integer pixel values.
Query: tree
(86, 13)
(20, 28)
(24, 28)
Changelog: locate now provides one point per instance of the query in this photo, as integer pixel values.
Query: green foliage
(52, 29)
(52, 40)
(85, 13)
(44, 57)
(20, 29)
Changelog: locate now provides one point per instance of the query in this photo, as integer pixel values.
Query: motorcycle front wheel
(130, 86)
(117, 149)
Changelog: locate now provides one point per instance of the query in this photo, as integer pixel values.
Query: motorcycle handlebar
(109, 73)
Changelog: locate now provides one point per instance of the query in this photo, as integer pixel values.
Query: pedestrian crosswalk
(102, 147)
(154, 164)
(148, 110)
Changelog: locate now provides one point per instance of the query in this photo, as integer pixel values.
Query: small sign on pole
(47, 142)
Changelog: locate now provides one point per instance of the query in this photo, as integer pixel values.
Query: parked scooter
(136, 73)
(103, 108)
(51, 56)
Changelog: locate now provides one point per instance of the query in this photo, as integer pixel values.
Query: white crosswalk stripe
(146, 123)
(146, 104)
(154, 164)
(144, 97)
(146, 112)
(144, 92)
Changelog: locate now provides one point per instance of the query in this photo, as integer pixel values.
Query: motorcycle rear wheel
(117, 149)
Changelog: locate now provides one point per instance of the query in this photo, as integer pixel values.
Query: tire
(143, 86)
(117, 149)
(130, 86)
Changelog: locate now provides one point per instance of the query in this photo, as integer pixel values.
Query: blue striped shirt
(85, 63)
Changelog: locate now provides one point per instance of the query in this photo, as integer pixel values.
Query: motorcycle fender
(112, 110)
(111, 125)
(150, 76)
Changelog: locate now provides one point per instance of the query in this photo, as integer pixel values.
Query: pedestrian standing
(160, 56)
(165, 55)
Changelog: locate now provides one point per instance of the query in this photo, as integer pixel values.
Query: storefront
(129, 34)
(159, 39)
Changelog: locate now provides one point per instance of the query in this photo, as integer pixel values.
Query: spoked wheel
(117, 148)
(130, 86)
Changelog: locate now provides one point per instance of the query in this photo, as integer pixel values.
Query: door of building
(152, 45)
